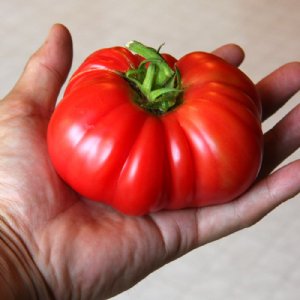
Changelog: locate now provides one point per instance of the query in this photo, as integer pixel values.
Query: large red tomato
(144, 132)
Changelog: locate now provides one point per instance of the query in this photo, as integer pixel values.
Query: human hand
(54, 244)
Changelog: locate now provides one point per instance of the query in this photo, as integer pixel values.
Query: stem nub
(156, 81)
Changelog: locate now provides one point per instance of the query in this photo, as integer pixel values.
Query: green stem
(155, 79)
(164, 73)
(149, 79)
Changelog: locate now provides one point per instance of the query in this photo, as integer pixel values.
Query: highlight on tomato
(142, 131)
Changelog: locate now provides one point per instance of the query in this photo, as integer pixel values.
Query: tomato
(143, 132)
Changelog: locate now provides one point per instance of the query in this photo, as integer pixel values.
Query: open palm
(66, 247)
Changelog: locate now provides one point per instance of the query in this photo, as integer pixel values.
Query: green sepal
(157, 83)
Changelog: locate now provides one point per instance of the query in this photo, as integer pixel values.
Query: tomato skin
(205, 151)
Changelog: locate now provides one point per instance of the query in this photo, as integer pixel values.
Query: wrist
(19, 275)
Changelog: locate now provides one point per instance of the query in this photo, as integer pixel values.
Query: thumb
(46, 70)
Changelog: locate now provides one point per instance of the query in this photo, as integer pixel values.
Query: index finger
(232, 53)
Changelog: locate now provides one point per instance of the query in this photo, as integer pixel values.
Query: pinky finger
(268, 193)
(215, 222)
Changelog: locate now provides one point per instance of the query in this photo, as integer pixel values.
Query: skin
(56, 245)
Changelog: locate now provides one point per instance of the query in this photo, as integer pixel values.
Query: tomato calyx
(157, 84)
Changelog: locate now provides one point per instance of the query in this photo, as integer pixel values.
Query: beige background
(260, 263)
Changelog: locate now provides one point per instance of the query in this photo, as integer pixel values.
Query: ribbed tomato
(143, 135)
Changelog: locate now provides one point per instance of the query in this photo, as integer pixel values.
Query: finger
(185, 230)
(287, 131)
(267, 194)
(231, 53)
(221, 220)
(278, 87)
(46, 70)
